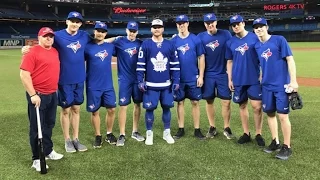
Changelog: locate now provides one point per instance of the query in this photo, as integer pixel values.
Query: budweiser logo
(120, 10)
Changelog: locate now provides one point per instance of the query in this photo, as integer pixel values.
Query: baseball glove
(295, 101)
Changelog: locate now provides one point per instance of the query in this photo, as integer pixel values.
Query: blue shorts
(242, 93)
(100, 98)
(275, 101)
(70, 94)
(152, 97)
(216, 86)
(128, 90)
(188, 90)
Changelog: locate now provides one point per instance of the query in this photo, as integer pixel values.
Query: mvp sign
(10, 43)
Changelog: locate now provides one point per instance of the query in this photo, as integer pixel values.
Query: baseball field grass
(188, 158)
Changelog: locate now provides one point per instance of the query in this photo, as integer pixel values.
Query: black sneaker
(260, 141)
(228, 133)
(245, 138)
(212, 132)
(272, 147)
(97, 142)
(111, 139)
(284, 153)
(179, 134)
(198, 134)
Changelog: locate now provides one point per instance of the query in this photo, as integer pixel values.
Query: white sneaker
(36, 165)
(54, 155)
(149, 137)
(167, 136)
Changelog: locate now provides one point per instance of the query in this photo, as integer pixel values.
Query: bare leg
(136, 117)
(65, 122)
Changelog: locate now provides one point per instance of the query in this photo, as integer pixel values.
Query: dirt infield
(303, 81)
(306, 49)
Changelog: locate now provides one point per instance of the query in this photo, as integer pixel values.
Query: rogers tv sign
(282, 7)
(120, 10)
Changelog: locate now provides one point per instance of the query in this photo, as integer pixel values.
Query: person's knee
(180, 103)
(195, 103)
(283, 117)
(95, 114)
(210, 102)
(226, 103)
(65, 111)
(243, 105)
(111, 111)
(75, 109)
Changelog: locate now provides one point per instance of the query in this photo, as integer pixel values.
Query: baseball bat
(40, 145)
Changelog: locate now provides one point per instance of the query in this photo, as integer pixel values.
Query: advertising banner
(11, 43)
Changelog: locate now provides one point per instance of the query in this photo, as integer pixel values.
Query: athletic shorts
(216, 86)
(70, 94)
(275, 101)
(242, 93)
(100, 98)
(188, 90)
(128, 90)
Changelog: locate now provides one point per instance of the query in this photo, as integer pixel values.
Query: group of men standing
(204, 66)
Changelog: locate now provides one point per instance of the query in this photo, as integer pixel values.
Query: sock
(149, 118)
(166, 117)
(109, 132)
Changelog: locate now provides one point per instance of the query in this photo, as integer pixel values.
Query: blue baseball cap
(209, 17)
(260, 21)
(236, 19)
(182, 18)
(132, 25)
(101, 25)
(75, 15)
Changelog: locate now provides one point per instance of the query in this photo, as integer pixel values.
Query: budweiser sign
(120, 10)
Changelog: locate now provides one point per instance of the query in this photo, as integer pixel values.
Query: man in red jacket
(39, 73)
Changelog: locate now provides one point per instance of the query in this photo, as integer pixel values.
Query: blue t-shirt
(71, 55)
(215, 48)
(127, 58)
(99, 70)
(245, 67)
(272, 55)
(189, 49)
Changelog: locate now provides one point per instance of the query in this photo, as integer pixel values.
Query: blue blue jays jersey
(99, 72)
(215, 48)
(158, 64)
(272, 55)
(245, 67)
(71, 55)
(189, 49)
(127, 58)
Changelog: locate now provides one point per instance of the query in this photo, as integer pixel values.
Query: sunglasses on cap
(157, 27)
(235, 24)
(101, 30)
(132, 30)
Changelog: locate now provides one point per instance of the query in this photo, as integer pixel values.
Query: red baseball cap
(44, 31)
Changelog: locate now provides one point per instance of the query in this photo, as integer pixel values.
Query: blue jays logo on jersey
(102, 54)
(131, 51)
(243, 48)
(266, 54)
(213, 45)
(74, 46)
(184, 48)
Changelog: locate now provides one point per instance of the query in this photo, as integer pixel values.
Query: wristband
(33, 95)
